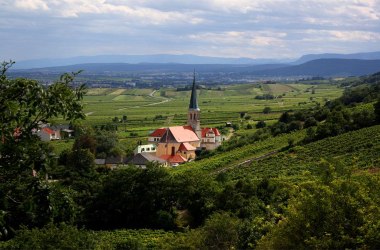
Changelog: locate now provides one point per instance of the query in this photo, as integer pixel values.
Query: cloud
(31, 4)
(266, 28)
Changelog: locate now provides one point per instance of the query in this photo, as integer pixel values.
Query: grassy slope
(360, 149)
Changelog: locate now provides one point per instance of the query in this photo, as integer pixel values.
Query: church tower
(193, 116)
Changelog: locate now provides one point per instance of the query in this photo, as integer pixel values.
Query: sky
(33, 29)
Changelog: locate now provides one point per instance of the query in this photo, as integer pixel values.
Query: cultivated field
(148, 109)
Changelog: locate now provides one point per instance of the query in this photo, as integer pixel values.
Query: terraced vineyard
(239, 155)
(360, 149)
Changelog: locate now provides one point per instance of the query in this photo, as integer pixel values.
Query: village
(166, 146)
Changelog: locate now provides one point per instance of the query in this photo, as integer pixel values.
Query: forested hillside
(309, 180)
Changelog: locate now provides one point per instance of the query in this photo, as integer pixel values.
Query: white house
(149, 148)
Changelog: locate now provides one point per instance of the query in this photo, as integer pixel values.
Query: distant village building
(149, 148)
(178, 144)
(143, 159)
(56, 132)
(49, 134)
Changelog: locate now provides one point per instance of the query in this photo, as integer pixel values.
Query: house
(100, 162)
(149, 148)
(156, 135)
(143, 159)
(66, 131)
(178, 144)
(49, 134)
(211, 138)
(113, 161)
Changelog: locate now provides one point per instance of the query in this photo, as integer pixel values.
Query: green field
(141, 106)
(148, 109)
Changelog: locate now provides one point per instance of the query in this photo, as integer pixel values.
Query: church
(178, 144)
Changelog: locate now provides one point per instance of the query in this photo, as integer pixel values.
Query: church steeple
(193, 99)
(193, 116)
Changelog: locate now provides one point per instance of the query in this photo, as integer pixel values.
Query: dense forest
(319, 189)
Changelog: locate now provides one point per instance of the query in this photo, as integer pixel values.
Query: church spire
(194, 113)
(193, 99)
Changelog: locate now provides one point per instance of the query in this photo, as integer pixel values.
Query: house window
(173, 150)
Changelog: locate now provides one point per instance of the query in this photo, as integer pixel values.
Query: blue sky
(31, 29)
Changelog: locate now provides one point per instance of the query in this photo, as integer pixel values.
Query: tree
(221, 231)
(261, 124)
(267, 110)
(24, 103)
(377, 110)
(331, 213)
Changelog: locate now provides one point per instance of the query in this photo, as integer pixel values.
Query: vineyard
(240, 154)
(142, 106)
(360, 149)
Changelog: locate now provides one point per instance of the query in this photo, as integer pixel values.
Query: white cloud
(268, 28)
(31, 4)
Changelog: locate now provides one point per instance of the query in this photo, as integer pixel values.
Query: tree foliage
(24, 103)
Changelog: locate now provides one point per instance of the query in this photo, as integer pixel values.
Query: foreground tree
(24, 103)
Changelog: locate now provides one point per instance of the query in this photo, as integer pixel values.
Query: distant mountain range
(362, 56)
(184, 59)
(325, 65)
(326, 68)
(136, 59)
(319, 67)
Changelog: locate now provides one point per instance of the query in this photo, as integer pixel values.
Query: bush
(53, 237)
(261, 124)
(267, 110)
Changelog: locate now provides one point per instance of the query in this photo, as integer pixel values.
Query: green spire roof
(193, 98)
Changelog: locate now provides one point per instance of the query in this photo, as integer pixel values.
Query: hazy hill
(320, 67)
(154, 67)
(362, 56)
(136, 59)
(326, 68)
(183, 59)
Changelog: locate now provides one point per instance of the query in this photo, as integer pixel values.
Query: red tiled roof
(48, 130)
(183, 134)
(188, 127)
(173, 158)
(186, 147)
(208, 130)
(158, 132)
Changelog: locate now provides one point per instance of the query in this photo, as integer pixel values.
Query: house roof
(179, 134)
(100, 161)
(144, 159)
(158, 132)
(173, 158)
(185, 146)
(210, 130)
(48, 130)
(114, 160)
